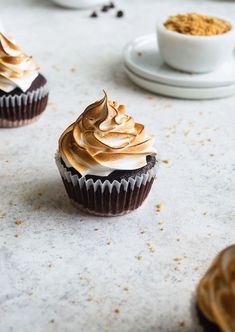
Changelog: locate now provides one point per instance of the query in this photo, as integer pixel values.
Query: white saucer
(181, 92)
(142, 57)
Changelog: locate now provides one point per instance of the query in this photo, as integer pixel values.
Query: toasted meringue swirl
(17, 69)
(104, 139)
(216, 291)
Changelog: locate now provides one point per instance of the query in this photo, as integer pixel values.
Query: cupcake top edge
(17, 69)
(216, 291)
(103, 139)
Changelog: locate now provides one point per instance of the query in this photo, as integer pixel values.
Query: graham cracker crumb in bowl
(197, 25)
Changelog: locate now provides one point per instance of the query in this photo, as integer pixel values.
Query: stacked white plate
(145, 67)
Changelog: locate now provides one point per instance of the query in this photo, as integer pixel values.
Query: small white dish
(195, 54)
(80, 4)
(181, 92)
(142, 56)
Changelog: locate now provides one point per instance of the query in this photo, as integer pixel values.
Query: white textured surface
(60, 274)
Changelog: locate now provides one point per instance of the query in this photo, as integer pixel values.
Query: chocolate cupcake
(106, 160)
(216, 294)
(23, 91)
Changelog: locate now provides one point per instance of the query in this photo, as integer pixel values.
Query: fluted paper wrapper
(107, 198)
(20, 110)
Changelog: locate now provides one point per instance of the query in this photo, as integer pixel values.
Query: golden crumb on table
(19, 222)
(197, 25)
(49, 265)
(73, 69)
(166, 161)
(109, 242)
(117, 311)
(182, 323)
(139, 258)
(159, 207)
(151, 247)
(126, 289)
(17, 235)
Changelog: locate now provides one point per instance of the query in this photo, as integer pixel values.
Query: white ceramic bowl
(195, 54)
(81, 4)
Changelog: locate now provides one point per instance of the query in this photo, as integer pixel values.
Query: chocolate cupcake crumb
(94, 14)
(105, 8)
(120, 13)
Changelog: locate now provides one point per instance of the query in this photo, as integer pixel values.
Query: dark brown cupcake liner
(107, 198)
(19, 110)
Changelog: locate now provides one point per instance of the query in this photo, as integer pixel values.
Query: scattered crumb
(55, 67)
(182, 323)
(89, 299)
(120, 13)
(72, 69)
(161, 222)
(126, 289)
(151, 247)
(140, 54)
(19, 222)
(142, 232)
(205, 213)
(167, 106)
(161, 229)
(211, 155)
(139, 258)
(196, 269)
(2, 214)
(109, 242)
(52, 321)
(209, 140)
(94, 14)
(166, 161)
(178, 239)
(17, 235)
(186, 132)
(159, 207)
(96, 229)
(178, 259)
(117, 311)
(50, 265)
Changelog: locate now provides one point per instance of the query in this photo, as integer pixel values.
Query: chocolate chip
(104, 9)
(111, 5)
(94, 14)
(120, 13)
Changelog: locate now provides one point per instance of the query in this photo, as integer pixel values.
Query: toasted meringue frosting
(17, 69)
(104, 139)
(216, 291)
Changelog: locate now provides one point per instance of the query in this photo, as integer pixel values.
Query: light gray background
(60, 273)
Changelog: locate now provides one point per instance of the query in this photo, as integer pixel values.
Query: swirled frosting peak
(17, 69)
(216, 291)
(103, 139)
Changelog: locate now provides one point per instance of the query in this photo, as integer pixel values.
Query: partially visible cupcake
(216, 294)
(106, 160)
(23, 90)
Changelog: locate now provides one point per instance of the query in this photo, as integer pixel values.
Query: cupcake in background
(23, 90)
(106, 160)
(216, 294)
